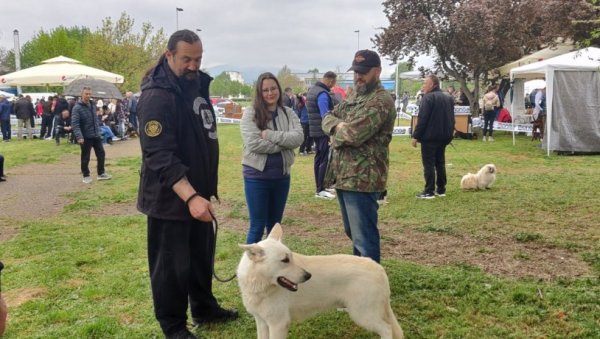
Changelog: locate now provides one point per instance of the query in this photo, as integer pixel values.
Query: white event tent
(59, 71)
(572, 99)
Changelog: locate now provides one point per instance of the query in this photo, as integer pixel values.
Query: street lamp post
(177, 10)
(357, 39)
(17, 54)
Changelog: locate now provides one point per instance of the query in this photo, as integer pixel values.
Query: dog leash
(215, 225)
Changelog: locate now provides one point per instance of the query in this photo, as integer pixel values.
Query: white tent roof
(587, 59)
(583, 59)
(57, 71)
(543, 54)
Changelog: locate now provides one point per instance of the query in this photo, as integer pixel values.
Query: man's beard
(189, 81)
(362, 89)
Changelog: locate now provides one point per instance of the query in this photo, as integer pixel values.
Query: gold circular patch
(153, 128)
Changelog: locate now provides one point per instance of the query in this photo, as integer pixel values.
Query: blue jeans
(359, 213)
(266, 201)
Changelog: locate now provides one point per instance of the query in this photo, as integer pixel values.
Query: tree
(588, 31)
(471, 38)
(288, 79)
(223, 86)
(116, 48)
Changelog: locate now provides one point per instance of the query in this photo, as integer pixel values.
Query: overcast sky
(236, 33)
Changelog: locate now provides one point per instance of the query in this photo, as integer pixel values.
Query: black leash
(215, 224)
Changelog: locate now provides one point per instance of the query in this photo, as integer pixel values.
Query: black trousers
(180, 259)
(307, 142)
(321, 160)
(46, 129)
(433, 156)
(86, 150)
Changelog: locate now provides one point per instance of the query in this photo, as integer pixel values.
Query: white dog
(484, 179)
(269, 274)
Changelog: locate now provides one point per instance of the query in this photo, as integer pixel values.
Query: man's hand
(340, 126)
(80, 141)
(413, 142)
(201, 209)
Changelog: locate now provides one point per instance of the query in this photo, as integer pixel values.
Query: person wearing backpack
(490, 101)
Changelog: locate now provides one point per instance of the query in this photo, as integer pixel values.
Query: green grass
(86, 273)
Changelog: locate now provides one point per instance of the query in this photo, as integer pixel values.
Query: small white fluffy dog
(269, 274)
(483, 179)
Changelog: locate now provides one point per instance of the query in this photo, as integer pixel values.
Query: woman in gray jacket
(270, 132)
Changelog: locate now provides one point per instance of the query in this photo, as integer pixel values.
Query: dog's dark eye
(286, 260)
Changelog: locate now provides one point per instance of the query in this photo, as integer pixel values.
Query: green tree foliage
(588, 31)
(288, 79)
(470, 38)
(114, 47)
(223, 86)
(117, 48)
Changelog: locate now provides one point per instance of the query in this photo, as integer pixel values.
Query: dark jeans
(5, 126)
(60, 132)
(266, 202)
(433, 156)
(86, 150)
(46, 128)
(359, 214)
(307, 142)
(321, 160)
(488, 122)
(180, 257)
(133, 119)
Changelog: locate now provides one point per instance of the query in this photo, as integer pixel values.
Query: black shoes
(425, 195)
(219, 315)
(183, 334)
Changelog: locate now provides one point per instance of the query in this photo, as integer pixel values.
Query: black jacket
(24, 109)
(178, 135)
(436, 118)
(84, 121)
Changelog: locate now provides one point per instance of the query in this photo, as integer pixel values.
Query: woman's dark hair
(184, 35)
(301, 102)
(262, 115)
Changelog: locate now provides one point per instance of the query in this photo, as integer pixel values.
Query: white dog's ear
(276, 232)
(255, 252)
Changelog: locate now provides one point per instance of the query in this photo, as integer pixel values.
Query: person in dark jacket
(64, 127)
(25, 112)
(318, 102)
(180, 156)
(88, 135)
(434, 132)
(5, 111)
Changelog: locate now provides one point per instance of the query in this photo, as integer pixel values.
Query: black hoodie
(178, 136)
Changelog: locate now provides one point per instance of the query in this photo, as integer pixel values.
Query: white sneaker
(483, 138)
(104, 176)
(490, 139)
(87, 180)
(324, 195)
(330, 190)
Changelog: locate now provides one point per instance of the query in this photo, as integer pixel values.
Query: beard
(363, 88)
(189, 82)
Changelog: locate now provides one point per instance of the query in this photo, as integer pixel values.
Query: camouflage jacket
(360, 148)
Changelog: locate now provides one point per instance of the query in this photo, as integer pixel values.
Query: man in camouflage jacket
(361, 130)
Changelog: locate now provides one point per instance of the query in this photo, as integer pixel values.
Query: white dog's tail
(396, 329)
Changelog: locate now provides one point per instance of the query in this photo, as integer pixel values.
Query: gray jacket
(288, 136)
(84, 121)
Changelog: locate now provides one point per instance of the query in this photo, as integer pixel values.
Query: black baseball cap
(364, 60)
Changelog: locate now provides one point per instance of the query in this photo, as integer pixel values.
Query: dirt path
(37, 191)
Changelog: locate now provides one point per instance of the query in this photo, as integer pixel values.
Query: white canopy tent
(543, 54)
(59, 71)
(572, 99)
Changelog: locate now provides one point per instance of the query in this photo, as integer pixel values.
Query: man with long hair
(180, 156)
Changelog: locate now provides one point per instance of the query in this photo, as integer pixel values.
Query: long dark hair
(184, 35)
(262, 115)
